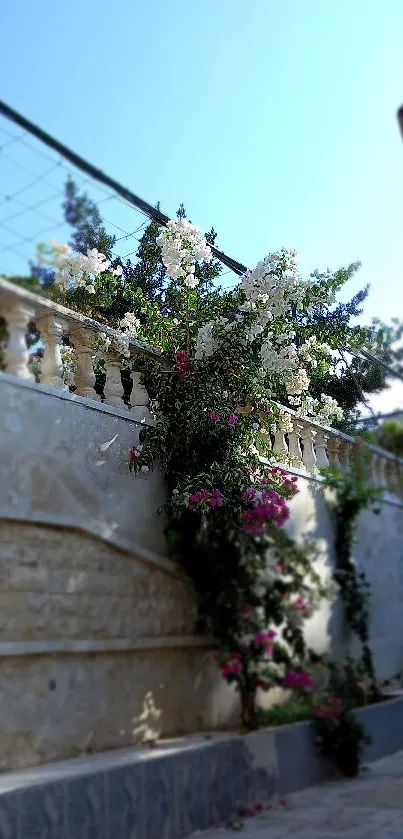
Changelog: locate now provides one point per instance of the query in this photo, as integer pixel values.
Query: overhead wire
(126, 196)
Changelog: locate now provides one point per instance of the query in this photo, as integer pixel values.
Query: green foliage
(388, 436)
(352, 495)
(83, 216)
(340, 737)
(352, 682)
(286, 713)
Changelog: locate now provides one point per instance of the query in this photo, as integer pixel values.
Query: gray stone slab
(189, 785)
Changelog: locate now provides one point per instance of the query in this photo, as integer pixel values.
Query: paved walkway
(370, 807)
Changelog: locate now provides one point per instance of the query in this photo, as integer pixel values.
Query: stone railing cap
(49, 306)
(45, 306)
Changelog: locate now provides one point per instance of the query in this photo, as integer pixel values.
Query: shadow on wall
(378, 552)
(311, 523)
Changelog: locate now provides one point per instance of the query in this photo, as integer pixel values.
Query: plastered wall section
(378, 552)
(64, 459)
(97, 642)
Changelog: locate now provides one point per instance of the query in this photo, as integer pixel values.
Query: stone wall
(60, 584)
(97, 641)
(97, 649)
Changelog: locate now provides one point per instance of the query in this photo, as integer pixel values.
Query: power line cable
(132, 199)
(84, 166)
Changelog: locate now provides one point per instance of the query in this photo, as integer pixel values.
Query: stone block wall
(59, 584)
(97, 650)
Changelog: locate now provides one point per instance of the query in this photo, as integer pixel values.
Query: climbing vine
(352, 495)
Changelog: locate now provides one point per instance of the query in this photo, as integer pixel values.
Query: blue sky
(274, 122)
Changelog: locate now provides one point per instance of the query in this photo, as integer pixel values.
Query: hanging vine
(352, 496)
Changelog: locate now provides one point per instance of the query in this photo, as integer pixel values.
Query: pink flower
(214, 416)
(132, 456)
(330, 713)
(266, 640)
(272, 508)
(232, 668)
(290, 485)
(200, 497)
(204, 496)
(232, 420)
(216, 499)
(298, 680)
(249, 494)
(300, 604)
(183, 364)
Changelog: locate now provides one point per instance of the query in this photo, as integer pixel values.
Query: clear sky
(273, 121)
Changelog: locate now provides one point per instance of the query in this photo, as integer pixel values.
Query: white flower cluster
(271, 291)
(262, 317)
(274, 282)
(206, 343)
(209, 336)
(182, 245)
(80, 270)
(311, 348)
(119, 344)
(278, 353)
(284, 422)
(130, 324)
(296, 381)
(324, 410)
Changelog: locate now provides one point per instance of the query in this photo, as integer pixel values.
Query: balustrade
(308, 446)
(56, 324)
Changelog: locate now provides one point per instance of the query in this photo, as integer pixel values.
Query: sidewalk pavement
(368, 807)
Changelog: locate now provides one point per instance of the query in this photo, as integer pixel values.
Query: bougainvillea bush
(211, 398)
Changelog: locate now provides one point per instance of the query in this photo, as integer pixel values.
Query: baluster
(391, 476)
(279, 445)
(113, 388)
(333, 444)
(140, 400)
(322, 460)
(294, 446)
(52, 367)
(16, 355)
(380, 477)
(308, 454)
(139, 397)
(81, 340)
(371, 475)
(344, 455)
